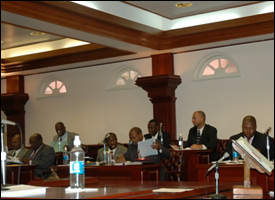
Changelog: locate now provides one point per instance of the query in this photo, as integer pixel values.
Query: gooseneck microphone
(225, 155)
(4, 121)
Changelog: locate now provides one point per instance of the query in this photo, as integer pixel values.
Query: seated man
(255, 138)
(116, 149)
(136, 136)
(202, 136)
(62, 138)
(16, 150)
(40, 155)
(154, 131)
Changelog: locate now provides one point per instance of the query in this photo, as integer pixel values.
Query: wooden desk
(26, 174)
(191, 159)
(129, 190)
(235, 173)
(145, 172)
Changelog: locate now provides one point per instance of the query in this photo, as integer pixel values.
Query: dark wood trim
(92, 21)
(163, 64)
(12, 65)
(13, 105)
(161, 91)
(96, 22)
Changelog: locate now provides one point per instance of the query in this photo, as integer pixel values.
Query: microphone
(225, 155)
(4, 121)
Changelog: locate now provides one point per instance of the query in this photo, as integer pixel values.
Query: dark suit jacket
(208, 137)
(43, 159)
(259, 142)
(166, 139)
(132, 154)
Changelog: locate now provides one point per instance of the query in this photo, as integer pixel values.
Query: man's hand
(25, 160)
(156, 145)
(120, 159)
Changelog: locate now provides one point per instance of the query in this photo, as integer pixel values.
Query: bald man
(40, 155)
(202, 136)
(63, 135)
(256, 139)
(16, 150)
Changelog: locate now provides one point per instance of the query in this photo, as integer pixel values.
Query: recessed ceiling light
(183, 4)
(37, 33)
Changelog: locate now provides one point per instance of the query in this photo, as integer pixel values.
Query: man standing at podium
(256, 139)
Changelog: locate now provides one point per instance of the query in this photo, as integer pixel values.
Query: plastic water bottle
(180, 142)
(235, 156)
(77, 166)
(65, 156)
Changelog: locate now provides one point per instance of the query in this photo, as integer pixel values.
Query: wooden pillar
(161, 90)
(13, 105)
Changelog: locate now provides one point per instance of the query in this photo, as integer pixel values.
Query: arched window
(124, 78)
(214, 66)
(51, 87)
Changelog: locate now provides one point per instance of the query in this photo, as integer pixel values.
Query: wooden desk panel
(145, 172)
(235, 173)
(26, 174)
(130, 190)
(191, 159)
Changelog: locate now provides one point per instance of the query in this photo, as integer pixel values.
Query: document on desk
(145, 148)
(23, 190)
(171, 190)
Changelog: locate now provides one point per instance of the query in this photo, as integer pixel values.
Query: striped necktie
(198, 139)
(32, 155)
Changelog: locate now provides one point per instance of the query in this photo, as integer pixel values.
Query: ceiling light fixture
(183, 5)
(37, 33)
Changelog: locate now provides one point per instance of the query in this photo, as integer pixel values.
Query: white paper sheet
(23, 190)
(145, 148)
(171, 190)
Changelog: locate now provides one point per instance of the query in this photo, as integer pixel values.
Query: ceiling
(68, 35)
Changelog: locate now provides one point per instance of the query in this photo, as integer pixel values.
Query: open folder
(145, 148)
(246, 149)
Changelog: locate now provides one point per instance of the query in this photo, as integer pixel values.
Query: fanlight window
(51, 87)
(127, 78)
(216, 66)
(55, 87)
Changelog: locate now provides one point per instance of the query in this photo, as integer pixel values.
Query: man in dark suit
(132, 153)
(154, 131)
(256, 139)
(40, 155)
(202, 136)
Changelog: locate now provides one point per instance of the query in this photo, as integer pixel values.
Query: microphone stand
(217, 195)
(161, 136)
(3, 160)
(267, 146)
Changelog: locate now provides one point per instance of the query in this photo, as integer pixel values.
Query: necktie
(32, 155)
(198, 139)
(112, 155)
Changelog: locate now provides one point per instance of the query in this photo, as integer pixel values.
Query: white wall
(89, 108)
(92, 111)
(227, 101)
